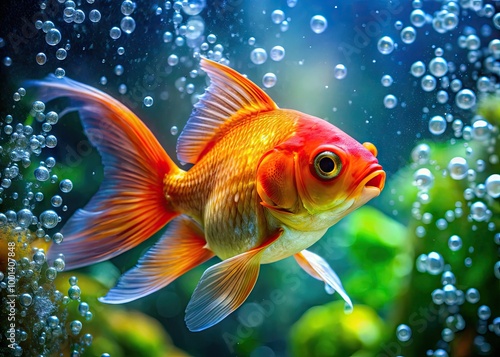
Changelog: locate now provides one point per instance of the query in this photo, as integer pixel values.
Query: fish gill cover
(419, 79)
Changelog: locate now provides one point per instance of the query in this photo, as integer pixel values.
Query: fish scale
(226, 171)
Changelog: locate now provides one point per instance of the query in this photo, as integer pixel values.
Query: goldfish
(265, 184)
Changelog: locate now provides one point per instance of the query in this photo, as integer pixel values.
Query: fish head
(318, 175)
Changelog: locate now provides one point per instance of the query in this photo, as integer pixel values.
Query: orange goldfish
(266, 184)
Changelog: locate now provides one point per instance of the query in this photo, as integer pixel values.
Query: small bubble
(258, 56)
(57, 238)
(386, 80)
(437, 125)
(418, 69)
(340, 71)
(53, 37)
(25, 299)
(127, 7)
(61, 54)
(59, 264)
(60, 72)
(472, 295)
(318, 24)
(385, 45)
(75, 327)
(403, 333)
(41, 58)
(417, 18)
(115, 33)
(438, 66)
(455, 243)
(94, 15)
(408, 35)
(51, 273)
(269, 80)
(74, 292)
(434, 263)
(148, 101)
(277, 16)
(390, 101)
(66, 185)
(172, 60)
(42, 173)
(484, 312)
(49, 219)
(458, 168)
(83, 308)
(465, 99)
(277, 53)
(127, 24)
(428, 83)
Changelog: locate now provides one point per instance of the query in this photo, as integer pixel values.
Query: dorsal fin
(229, 96)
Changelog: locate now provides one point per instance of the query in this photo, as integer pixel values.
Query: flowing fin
(318, 268)
(224, 287)
(130, 205)
(229, 97)
(180, 249)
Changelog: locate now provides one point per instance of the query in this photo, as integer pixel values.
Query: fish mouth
(370, 186)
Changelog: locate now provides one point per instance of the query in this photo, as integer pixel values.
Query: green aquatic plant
(455, 215)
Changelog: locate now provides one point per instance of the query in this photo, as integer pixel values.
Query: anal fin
(181, 248)
(224, 287)
(319, 269)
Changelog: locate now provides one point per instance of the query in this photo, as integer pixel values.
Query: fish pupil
(326, 164)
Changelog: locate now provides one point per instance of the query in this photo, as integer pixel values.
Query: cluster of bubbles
(481, 187)
(42, 324)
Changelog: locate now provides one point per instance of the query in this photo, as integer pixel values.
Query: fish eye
(327, 165)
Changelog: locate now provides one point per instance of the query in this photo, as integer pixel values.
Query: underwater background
(419, 79)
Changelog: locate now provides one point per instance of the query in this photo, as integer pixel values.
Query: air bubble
(174, 130)
(385, 45)
(408, 35)
(42, 173)
(438, 66)
(74, 292)
(423, 179)
(455, 243)
(277, 16)
(458, 168)
(418, 69)
(386, 80)
(148, 101)
(258, 56)
(484, 312)
(115, 33)
(269, 80)
(41, 58)
(465, 99)
(403, 333)
(340, 71)
(25, 299)
(390, 101)
(437, 125)
(53, 37)
(492, 185)
(434, 263)
(49, 219)
(417, 18)
(94, 15)
(277, 53)
(127, 7)
(318, 24)
(75, 327)
(66, 185)
(428, 83)
(472, 295)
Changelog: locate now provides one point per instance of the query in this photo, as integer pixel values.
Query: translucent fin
(180, 249)
(318, 268)
(130, 205)
(229, 97)
(224, 287)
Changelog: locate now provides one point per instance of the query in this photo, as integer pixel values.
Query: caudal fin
(130, 205)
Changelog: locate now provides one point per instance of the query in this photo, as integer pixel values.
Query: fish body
(266, 184)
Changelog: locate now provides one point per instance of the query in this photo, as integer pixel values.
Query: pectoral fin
(180, 249)
(224, 287)
(318, 268)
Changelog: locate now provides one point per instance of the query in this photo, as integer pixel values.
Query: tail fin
(130, 205)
